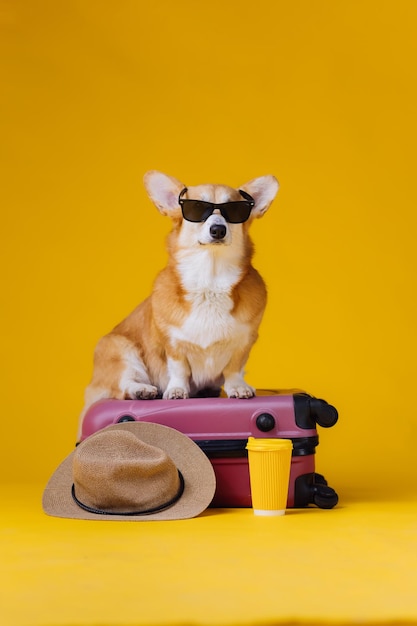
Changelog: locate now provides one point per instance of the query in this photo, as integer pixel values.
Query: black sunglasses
(234, 212)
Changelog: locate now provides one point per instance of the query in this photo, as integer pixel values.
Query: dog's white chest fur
(208, 283)
(209, 335)
(209, 321)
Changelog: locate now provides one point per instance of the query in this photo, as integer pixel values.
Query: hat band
(156, 509)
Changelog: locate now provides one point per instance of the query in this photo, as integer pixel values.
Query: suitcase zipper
(236, 448)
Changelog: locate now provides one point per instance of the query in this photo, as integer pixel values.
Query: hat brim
(198, 473)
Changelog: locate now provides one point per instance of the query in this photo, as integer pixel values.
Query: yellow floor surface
(354, 564)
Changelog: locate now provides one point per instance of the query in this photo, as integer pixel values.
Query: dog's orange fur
(197, 327)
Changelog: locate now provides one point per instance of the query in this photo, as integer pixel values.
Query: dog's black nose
(218, 231)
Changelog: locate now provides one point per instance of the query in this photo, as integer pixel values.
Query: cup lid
(268, 445)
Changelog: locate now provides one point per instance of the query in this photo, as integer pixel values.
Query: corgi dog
(193, 334)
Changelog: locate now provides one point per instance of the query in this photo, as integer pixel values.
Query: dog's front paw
(141, 391)
(175, 393)
(146, 392)
(240, 391)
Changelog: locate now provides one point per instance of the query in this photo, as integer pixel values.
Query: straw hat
(135, 471)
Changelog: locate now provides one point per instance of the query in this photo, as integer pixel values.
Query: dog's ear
(263, 190)
(164, 190)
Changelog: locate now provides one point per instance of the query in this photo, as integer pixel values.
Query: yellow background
(321, 94)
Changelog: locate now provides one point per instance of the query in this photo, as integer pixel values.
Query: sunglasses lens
(236, 212)
(196, 210)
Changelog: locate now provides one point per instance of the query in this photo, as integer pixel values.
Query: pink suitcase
(221, 427)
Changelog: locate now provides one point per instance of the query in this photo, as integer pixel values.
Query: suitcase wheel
(313, 489)
(319, 479)
(310, 411)
(325, 414)
(324, 497)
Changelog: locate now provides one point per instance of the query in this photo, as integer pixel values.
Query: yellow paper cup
(269, 471)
